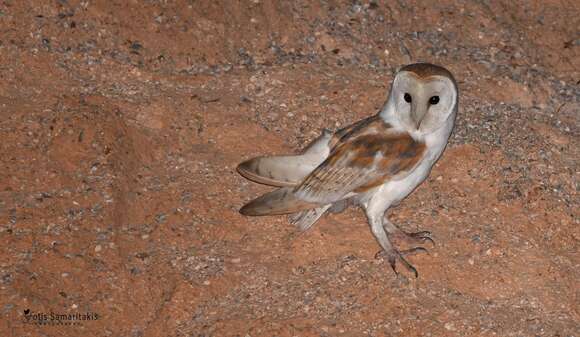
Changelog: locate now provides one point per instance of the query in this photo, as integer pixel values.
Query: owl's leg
(340, 206)
(389, 252)
(413, 238)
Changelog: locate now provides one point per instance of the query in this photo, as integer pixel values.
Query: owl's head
(423, 98)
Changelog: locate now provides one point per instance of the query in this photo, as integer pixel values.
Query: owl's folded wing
(287, 170)
(284, 171)
(359, 164)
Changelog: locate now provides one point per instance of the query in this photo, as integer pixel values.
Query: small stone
(98, 248)
(449, 326)
(206, 282)
(8, 307)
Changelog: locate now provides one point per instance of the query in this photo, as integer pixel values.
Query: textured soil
(122, 122)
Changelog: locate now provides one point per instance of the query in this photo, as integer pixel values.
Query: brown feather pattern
(364, 156)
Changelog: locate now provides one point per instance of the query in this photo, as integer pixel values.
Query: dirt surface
(122, 123)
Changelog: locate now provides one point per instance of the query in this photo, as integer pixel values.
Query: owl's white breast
(394, 191)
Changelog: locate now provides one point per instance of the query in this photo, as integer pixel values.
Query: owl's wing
(284, 171)
(360, 162)
(363, 157)
(287, 170)
(278, 170)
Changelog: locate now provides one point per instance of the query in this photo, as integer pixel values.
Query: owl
(374, 163)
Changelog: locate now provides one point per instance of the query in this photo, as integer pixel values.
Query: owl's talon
(423, 236)
(416, 237)
(394, 254)
(419, 234)
(410, 267)
(414, 251)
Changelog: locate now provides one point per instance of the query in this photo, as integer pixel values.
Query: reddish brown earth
(122, 123)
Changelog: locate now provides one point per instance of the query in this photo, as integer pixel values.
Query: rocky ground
(122, 123)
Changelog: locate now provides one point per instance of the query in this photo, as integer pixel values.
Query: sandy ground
(122, 123)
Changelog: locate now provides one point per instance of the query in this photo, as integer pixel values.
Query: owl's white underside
(379, 199)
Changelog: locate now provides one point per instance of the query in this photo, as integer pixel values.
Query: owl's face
(424, 97)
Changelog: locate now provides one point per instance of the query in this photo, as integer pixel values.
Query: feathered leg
(375, 214)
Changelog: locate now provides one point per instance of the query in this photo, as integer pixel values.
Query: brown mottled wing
(361, 160)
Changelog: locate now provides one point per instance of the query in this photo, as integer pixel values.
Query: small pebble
(8, 307)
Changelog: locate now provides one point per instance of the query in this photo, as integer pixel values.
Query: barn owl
(373, 163)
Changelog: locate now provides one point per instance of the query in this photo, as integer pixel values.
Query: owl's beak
(418, 112)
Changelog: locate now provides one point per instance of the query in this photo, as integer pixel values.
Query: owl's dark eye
(434, 100)
(408, 98)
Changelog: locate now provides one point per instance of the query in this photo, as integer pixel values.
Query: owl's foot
(393, 255)
(410, 238)
(416, 237)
